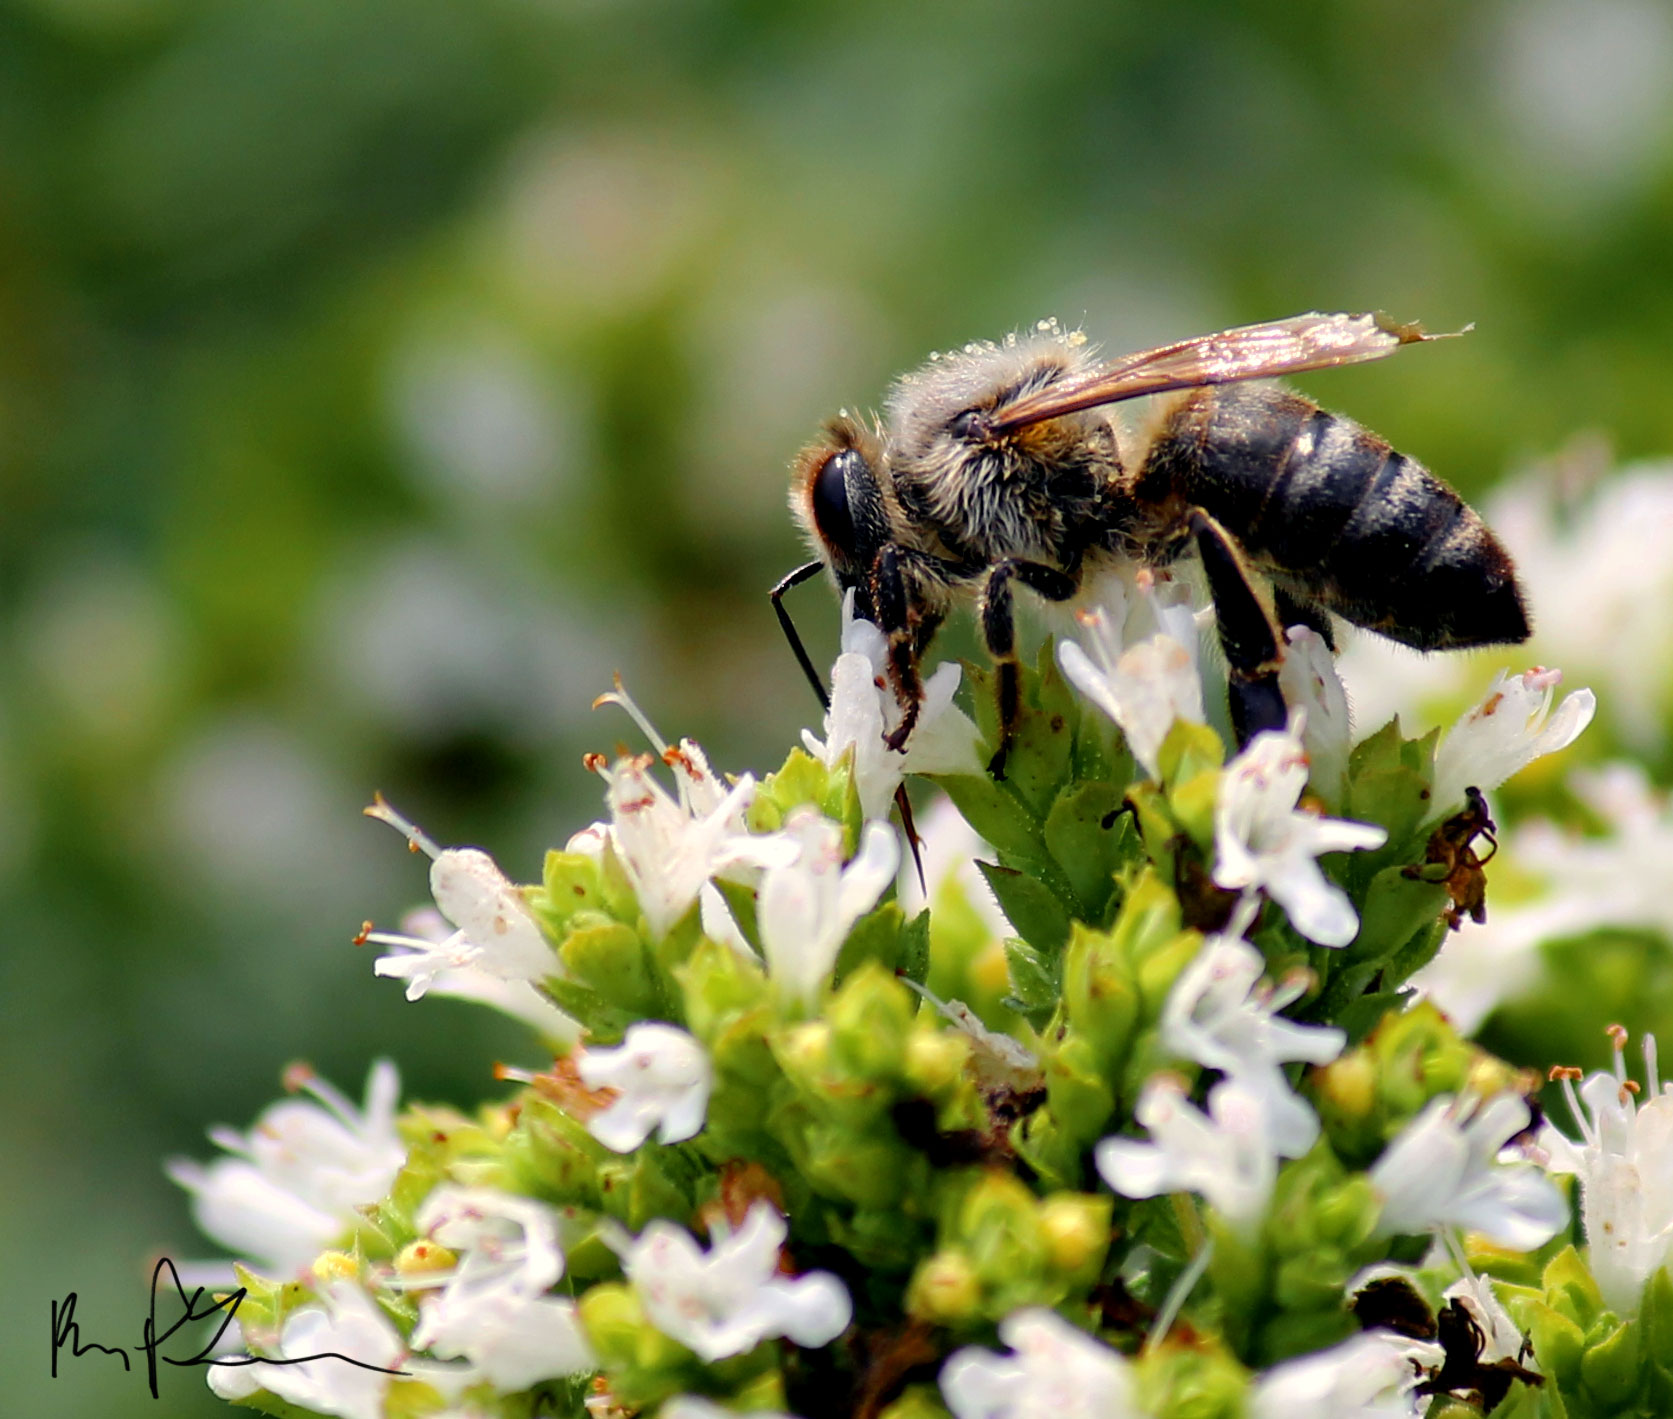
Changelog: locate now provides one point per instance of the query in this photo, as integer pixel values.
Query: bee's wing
(1279, 347)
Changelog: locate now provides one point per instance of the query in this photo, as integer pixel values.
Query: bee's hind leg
(999, 631)
(1248, 635)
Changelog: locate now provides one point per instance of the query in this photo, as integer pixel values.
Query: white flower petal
(663, 1076)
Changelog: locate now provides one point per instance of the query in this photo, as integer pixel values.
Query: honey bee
(1003, 465)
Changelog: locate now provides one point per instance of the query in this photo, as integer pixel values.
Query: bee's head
(837, 496)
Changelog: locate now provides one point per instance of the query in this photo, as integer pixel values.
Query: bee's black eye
(831, 512)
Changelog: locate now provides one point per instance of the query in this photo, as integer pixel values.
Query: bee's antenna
(776, 595)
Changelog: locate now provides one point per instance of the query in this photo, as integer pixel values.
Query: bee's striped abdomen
(1337, 517)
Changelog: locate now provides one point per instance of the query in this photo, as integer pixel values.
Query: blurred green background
(377, 376)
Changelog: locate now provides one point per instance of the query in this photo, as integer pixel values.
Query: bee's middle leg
(999, 631)
(1248, 634)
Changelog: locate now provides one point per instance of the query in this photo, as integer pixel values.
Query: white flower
(1146, 687)
(1261, 841)
(1590, 882)
(1510, 728)
(295, 1180)
(496, 934)
(1614, 881)
(806, 907)
(424, 930)
(1055, 1372)
(670, 848)
(663, 1078)
(864, 710)
(1307, 676)
(1443, 1171)
(728, 1301)
(346, 1323)
(1369, 1376)
(1624, 1163)
(1217, 1015)
(492, 1309)
(1229, 1155)
(1599, 580)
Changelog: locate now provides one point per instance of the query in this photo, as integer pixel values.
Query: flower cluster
(1140, 1110)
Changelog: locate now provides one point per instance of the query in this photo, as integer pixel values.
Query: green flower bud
(608, 958)
(423, 1257)
(1192, 801)
(1189, 750)
(571, 883)
(935, 1061)
(1199, 1379)
(867, 1168)
(1569, 1287)
(805, 1053)
(871, 1018)
(644, 1365)
(1610, 1368)
(998, 1227)
(917, 1402)
(716, 986)
(945, 1290)
(331, 1266)
(1100, 994)
(1078, 1093)
(1075, 1228)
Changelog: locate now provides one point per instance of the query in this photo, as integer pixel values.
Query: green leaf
(876, 936)
(1089, 852)
(741, 900)
(1037, 912)
(1033, 980)
(609, 959)
(997, 815)
(913, 960)
(1610, 1367)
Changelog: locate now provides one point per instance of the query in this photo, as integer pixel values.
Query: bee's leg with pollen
(1247, 633)
(999, 631)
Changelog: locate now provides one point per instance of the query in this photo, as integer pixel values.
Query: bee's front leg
(999, 631)
(898, 617)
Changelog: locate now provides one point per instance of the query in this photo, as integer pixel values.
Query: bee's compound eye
(831, 512)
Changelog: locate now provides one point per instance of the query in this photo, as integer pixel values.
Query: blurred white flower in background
(292, 1185)
(344, 1324)
(1055, 1371)
(1589, 882)
(1445, 1169)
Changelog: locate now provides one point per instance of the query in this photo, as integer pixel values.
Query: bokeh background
(378, 376)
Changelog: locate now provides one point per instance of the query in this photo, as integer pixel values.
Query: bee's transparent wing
(1279, 347)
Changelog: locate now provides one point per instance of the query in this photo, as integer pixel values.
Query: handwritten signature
(66, 1334)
